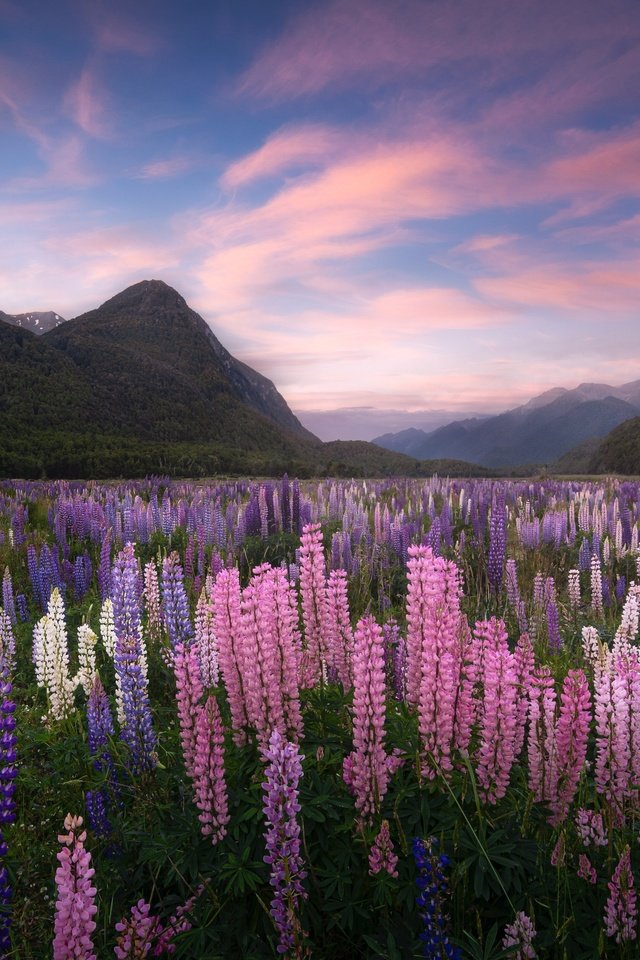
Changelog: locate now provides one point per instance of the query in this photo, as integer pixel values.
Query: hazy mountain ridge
(540, 431)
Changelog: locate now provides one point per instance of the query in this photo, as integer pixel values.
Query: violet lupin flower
(75, 906)
(8, 771)
(100, 729)
(497, 542)
(282, 836)
(137, 732)
(126, 593)
(174, 602)
(432, 900)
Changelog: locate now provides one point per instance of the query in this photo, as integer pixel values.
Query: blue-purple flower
(282, 836)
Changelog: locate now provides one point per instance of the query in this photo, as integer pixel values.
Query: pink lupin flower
(616, 699)
(259, 647)
(227, 625)
(137, 933)
(366, 769)
(75, 906)
(208, 772)
(572, 735)
(313, 589)
(542, 736)
(439, 671)
(288, 651)
(338, 627)
(206, 643)
(520, 934)
(498, 714)
(188, 694)
(590, 828)
(381, 855)
(586, 870)
(620, 915)
(152, 602)
(525, 665)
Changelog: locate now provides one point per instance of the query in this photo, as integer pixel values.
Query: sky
(398, 210)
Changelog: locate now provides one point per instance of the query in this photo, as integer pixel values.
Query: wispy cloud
(298, 146)
(87, 105)
(166, 169)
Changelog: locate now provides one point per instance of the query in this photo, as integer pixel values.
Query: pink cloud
(587, 288)
(355, 42)
(166, 169)
(484, 242)
(287, 149)
(86, 104)
(117, 34)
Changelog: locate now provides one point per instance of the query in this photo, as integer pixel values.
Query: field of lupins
(334, 720)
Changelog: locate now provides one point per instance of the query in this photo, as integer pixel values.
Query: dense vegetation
(521, 816)
(620, 451)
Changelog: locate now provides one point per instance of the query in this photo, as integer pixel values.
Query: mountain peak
(149, 294)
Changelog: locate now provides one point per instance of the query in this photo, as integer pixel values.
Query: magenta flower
(381, 856)
(188, 694)
(313, 588)
(620, 915)
(498, 719)
(586, 871)
(572, 735)
(440, 672)
(75, 906)
(227, 626)
(520, 934)
(208, 771)
(338, 628)
(366, 770)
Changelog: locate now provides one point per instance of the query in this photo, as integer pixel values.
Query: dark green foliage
(619, 452)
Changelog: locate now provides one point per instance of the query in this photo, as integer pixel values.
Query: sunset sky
(382, 205)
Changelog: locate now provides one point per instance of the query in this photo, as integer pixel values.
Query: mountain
(540, 431)
(142, 385)
(619, 452)
(38, 321)
(164, 362)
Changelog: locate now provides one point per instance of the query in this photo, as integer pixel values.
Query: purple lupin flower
(100, 728)
(137, 731)
(7, 596)
(126, 593)
(8, 771)
(282, 836)
(497, 542)
(23, 609)
(174, 601)
(104, 567)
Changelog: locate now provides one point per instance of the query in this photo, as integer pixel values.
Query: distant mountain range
(141, 385)
(538, 432)
(38, 321)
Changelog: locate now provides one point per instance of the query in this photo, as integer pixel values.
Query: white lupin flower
(107, 627)
(51, 658)
(87, 673)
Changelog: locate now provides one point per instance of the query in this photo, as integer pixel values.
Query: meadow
(333, 719)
